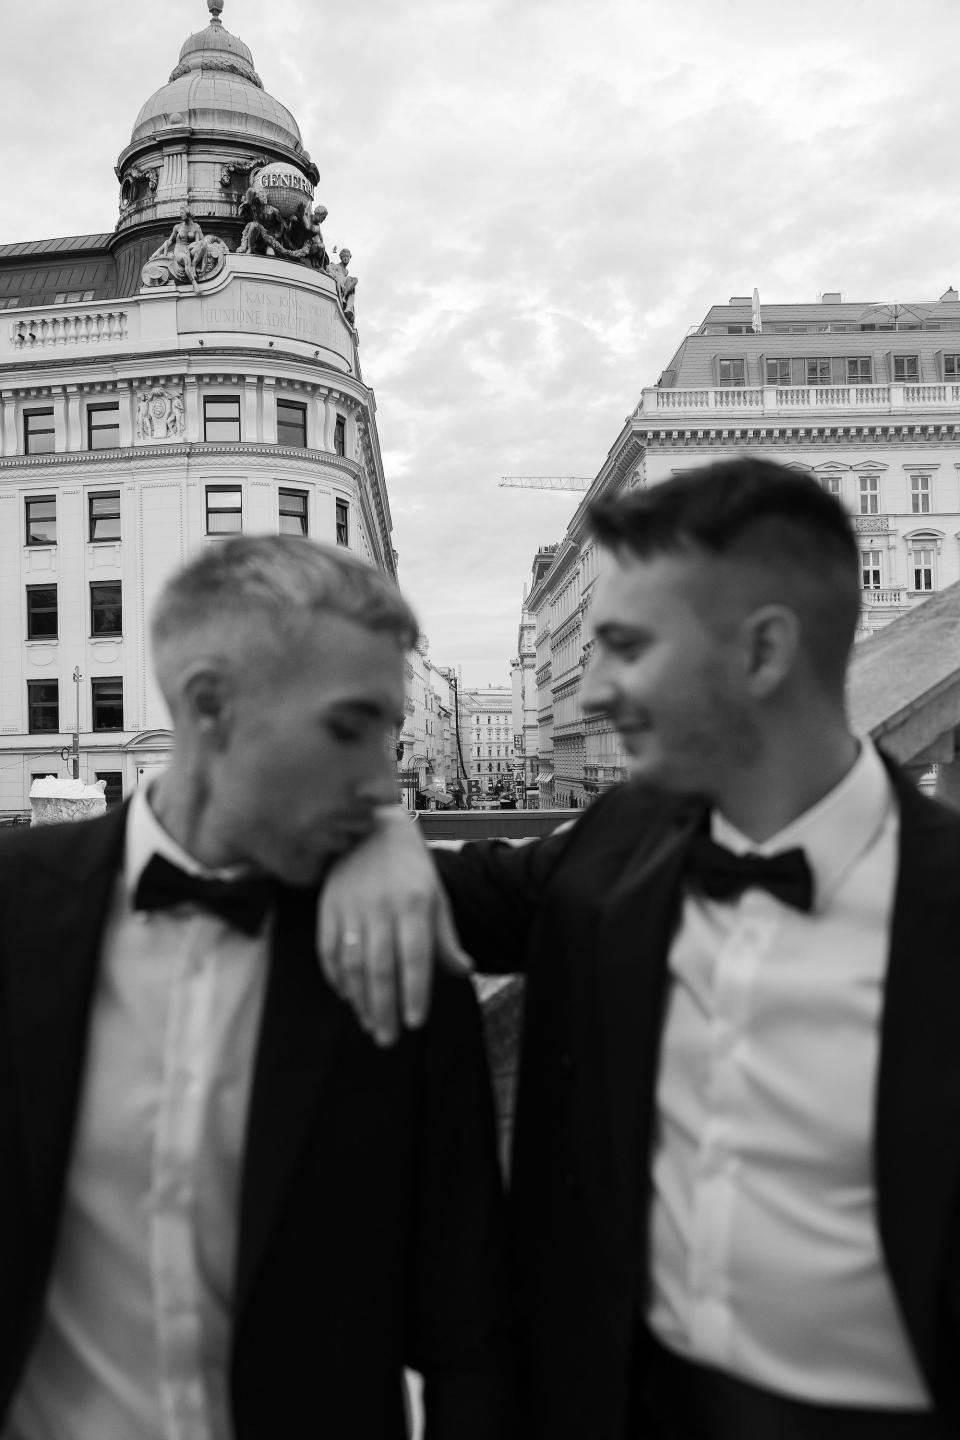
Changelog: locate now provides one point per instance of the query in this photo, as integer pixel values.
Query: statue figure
(263, 233)
(186, 255)
(346, 284)
(176, 422)
(144, 423)
(303, 236)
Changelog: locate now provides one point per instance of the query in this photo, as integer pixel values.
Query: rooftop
(905, 680)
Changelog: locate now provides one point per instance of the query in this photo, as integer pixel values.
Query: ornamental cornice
(179, 364)
(200, 449)
(784, 435)
(567, 627)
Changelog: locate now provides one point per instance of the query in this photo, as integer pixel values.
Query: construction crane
(546, 482)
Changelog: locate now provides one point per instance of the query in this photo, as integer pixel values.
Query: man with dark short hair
(224, 1214)
(736, 1171)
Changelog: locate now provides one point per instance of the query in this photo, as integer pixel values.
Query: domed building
(190, 374)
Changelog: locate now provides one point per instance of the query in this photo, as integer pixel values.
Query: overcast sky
(541, 197)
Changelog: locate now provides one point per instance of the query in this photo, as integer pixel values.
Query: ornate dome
(215, 87)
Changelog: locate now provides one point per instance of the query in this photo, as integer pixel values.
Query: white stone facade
(878, 424)
(186, 411)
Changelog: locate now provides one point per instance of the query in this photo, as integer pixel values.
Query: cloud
(541, 199)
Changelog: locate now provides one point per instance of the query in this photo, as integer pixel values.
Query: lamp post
(77, 677)
(73, 753)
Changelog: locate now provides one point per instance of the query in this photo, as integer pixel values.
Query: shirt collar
(836, 831)
(146, 837)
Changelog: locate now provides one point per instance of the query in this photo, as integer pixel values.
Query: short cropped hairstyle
(758, 514)
(279, 585)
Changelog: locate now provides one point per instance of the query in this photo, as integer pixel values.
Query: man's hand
(382, 921)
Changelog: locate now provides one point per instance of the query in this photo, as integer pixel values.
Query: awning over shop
(545, 777)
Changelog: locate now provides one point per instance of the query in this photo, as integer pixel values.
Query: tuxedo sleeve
(458, 1326)
(497, 889)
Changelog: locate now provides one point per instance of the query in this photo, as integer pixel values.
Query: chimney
(831, 297)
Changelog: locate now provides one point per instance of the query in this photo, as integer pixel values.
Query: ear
(771, 637)
(206, 702)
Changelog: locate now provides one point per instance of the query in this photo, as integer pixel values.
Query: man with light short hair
(736, 1172)
(196, 1138)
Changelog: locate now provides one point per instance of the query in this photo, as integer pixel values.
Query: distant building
(145, 414)
(492, 757)
(523, 678)
(863, 396)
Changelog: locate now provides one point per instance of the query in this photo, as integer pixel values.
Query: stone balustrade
(802, 399)
(891, 595)
(90, 327)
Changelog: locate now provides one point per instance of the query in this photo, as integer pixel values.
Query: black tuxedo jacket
(370, 1225)
(588, 915)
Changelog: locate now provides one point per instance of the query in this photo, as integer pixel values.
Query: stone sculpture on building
(346, 284)
(296, 236)
(263, 233)
(186, 256)
(160, 415)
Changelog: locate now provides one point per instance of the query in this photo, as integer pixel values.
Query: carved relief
(131, 182)
(160, 415)
(187, 256)
(245, 166)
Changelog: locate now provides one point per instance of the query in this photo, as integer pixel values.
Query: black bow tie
(724, 876)
(242, 903)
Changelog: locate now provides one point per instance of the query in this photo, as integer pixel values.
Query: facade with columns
(139, 423)
(864, 397)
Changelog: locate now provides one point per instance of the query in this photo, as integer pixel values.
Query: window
(43, 705)
(906, 367)
(818, 371)
(291, 424)
(870, 569)
(9, 302)
(221, 418)
(41, 612)
(921, 567)
(41, 520)
(951, 367)
(343, 523)
(731, 372)
(113, 790)
(778, 372)
(869, 494)
(340, 436)
(831, 483)
(106, 608)
(293, 512)
(107, 703)
(105, 516)
(39, 435)
(920, 494)
(103, 427)
(69, 297)
(859, 370)
(42, 775)
(224, 509)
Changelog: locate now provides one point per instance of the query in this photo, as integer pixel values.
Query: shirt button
(566, 1062)
(570, 1180)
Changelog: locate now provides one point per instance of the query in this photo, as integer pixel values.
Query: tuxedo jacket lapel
(639, 921)
(918, 1093)
(51, 935)
(303, 1023)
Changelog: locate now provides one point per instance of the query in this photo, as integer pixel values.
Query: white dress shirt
(765, 1254)
(135, 1339)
